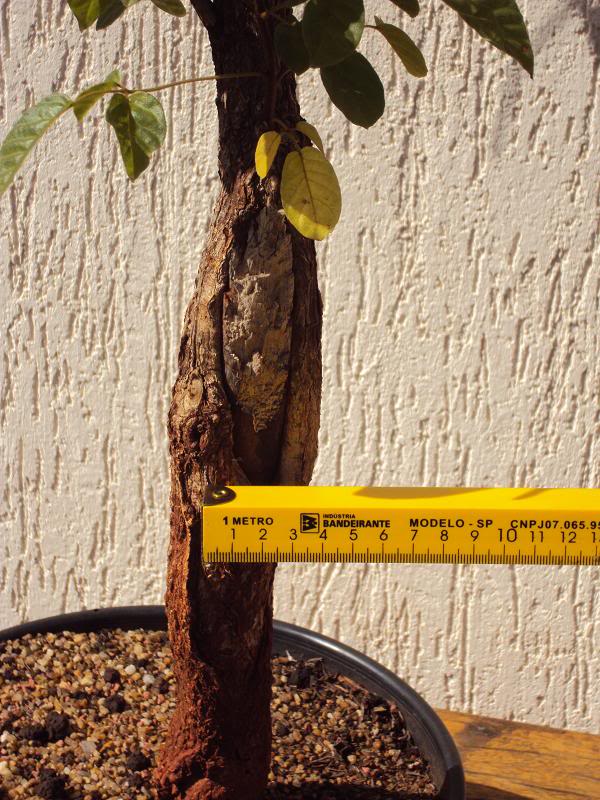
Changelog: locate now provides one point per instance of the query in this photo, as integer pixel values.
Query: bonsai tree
(245, 405)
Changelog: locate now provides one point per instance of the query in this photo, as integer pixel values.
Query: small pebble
(111, 675)
(58, 726)
(115, 703)
(51, 786)
(33, 733)
(89, 748)
(137, 761)
(280, 729)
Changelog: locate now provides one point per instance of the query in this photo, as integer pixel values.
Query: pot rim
(427, 729)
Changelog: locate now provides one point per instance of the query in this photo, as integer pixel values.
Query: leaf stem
(281, 124)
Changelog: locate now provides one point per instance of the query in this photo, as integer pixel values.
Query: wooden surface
(512, 761)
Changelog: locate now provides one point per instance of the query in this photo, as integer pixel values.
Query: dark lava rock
(162, 686)
(6, 722)
(111, 675)
(317, 666)
(103, 642)
(137, 761)
(344, 745)
(115, 703)
(51, 786)
(26, 771)
(300, 677)
(373, 700)
(33, 733)
(281, 729)
(382, 715)
(58, 726)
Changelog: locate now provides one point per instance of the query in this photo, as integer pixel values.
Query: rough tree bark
(245, 408)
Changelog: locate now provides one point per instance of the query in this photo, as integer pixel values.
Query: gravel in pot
(82, 716)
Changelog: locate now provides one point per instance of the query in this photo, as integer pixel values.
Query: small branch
(206, 12)
(269, 11)
(185, 81)
(278, 17)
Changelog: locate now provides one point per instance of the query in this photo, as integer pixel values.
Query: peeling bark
(245, 408)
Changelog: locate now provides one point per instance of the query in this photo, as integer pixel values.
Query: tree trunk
(245, 408)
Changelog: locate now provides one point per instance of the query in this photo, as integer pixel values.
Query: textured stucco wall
(461, 338)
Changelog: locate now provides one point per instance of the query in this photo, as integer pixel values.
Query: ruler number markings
(429, 532)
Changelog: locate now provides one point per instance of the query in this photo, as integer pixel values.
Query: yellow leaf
(310, 193)
(313, 134)
(266, 150)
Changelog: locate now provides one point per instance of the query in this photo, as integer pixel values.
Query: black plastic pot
(427, 729)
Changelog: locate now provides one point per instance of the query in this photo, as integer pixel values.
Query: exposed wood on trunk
(245, 408)
(257, 320)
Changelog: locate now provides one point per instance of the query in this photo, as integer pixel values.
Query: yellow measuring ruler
(350, 524)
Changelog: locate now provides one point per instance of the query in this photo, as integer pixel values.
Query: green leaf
(310, 193)
(118, 114)
(174, 7)
(26, 132)
(311, 132)
(355, 88)
(501, 23)
(404, 47)
(290, 47)
(266, 150)
(332, 29)
(87, 99)
(86, 12)
(139, 123)
(410, 7)
(111, 10)
(105, 12)
(150, 122)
